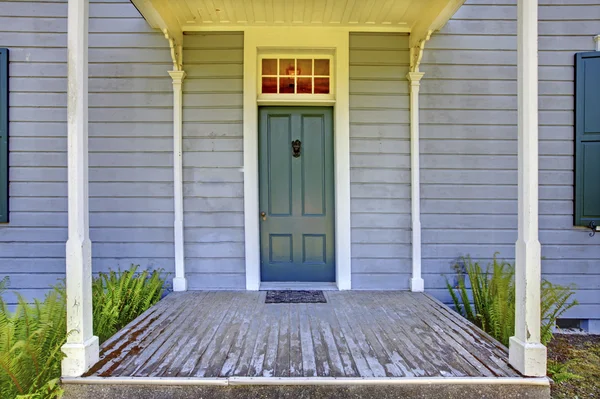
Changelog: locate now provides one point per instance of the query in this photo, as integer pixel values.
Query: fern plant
(31, 338)
(559, 372)
(30, 342)
(119, 297)
(493, 298)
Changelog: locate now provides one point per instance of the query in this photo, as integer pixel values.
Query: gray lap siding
(469, 144)
(468, 148)
(131, 129)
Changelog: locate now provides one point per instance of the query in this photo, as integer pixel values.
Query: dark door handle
(296, 148)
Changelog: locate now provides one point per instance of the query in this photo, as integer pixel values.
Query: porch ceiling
(415, 16)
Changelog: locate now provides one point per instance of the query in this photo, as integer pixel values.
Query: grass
(574, 365)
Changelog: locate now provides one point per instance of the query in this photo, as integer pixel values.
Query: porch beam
(180, 281)
(81, 348)
(416, 282)
(526, 353)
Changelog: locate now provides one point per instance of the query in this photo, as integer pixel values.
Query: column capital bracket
(415, 77)
(416, 52)
(177, 76)
(176, 50)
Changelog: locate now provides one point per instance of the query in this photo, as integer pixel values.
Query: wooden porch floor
(355, 334)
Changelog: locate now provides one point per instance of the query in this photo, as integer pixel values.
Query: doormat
(295, 297)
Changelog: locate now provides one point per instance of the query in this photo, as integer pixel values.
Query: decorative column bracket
(176, 51)
(416, 52)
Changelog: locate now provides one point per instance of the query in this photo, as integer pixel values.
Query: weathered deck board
(355, 334)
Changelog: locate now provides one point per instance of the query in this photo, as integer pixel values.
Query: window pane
(322, 67)
(286, 67)
(321, 85)
(305, 85)
(286, 85)
(269, 85)
(269, 67)
(305, 67)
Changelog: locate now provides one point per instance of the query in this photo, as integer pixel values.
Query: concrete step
(302, 388)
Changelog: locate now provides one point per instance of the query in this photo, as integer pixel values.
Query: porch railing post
(179, 282)
(526, 353)
(81, 348)
(416, 283)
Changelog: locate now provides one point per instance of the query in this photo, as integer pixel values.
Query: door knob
(263, 216)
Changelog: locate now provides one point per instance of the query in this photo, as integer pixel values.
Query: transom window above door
(297, 77)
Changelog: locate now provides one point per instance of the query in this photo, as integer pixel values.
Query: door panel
(296, 194)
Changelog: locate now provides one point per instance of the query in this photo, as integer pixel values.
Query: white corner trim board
(179, 282)
(597, 40)
(81, 348)
(257, 39)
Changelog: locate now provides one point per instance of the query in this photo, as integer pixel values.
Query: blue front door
(296, 194)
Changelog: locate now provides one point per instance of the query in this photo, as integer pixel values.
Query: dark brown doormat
(295, 297)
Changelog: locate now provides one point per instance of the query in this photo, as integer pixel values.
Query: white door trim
(272, 38)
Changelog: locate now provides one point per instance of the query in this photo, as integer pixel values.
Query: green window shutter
(587, 138)
(3, 135)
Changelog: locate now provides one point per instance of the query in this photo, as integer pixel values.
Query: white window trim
(261, 40)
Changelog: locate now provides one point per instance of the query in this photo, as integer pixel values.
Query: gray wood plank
(171, 342)
(355, 334)
(324, 368)
(242, 368)
(224, 304)
(296, 369)
(274, 318)
(339, 353)
(245, 335)
(416, 354)
(157, 337)
(119, 347)
(492, 350)
(386, 337)
(371, 332)
(459, 341)
(171, 365)
(260, 346)
(222, 344)
(282, 363)
(309, 364)
(435, 350)
(363, 365)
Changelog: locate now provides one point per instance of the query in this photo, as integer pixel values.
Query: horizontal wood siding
(131, 178)
(379, 161)
(469, 144)
(213, 160)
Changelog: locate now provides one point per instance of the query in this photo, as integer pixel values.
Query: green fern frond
(493, 299)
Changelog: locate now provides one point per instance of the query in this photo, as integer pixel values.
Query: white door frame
(300, 38)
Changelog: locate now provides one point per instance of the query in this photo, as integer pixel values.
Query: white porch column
(416, 283)
(179, 282)
(82, 346)
(526, 353)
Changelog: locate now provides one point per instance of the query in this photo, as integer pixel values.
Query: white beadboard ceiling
(297, 12)
(415, 16)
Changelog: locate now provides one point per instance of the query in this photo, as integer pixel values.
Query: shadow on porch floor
(234, 338)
